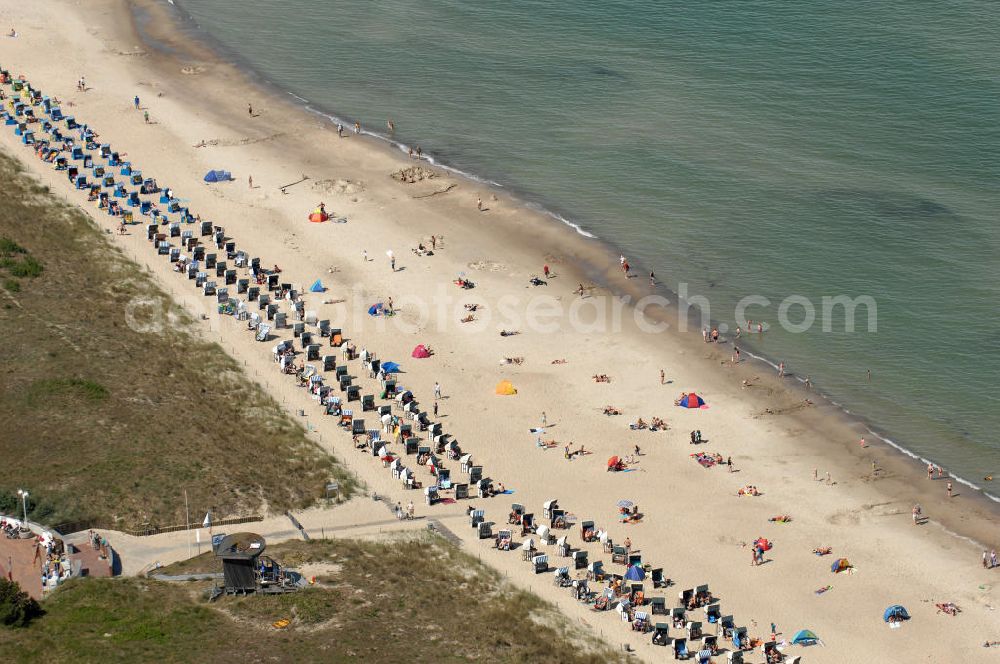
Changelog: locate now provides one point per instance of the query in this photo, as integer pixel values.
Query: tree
(17, 608)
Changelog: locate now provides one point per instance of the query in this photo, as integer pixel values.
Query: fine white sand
(695, 525)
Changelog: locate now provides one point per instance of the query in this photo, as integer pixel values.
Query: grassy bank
(112, 408)
(416, 599)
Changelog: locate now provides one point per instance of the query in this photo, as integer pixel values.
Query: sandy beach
(695, 525)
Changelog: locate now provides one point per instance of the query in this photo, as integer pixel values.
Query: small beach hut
(691, 400)
(839, 565)
(420, 352)
(505, 388)
(805, 637)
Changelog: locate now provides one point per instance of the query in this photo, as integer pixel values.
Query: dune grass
(417, 599)
(112, 408)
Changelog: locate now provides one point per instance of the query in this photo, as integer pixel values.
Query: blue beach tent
(375, 309)
(895, 611)
(390, 367)
(805, 637)
(218, 176)
(635, 573)
(317, 287)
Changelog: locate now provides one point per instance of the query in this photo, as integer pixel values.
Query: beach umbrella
(624, 503)
(613, 461)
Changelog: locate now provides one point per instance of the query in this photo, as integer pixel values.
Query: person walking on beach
(808, 383)
(357, 127)
(862, 442)
(340, 130)
(545, 270)
(940, 472)
(435, 409)
(250, 181)
(134, 101)
(409, 510)
(930, 471)
(145, 116)
(249, 109)
(729, 463)
(949, 490)
(420, 153)
(437, 390)
(364, 255)
(391, 126)
(652, 278)
(392, 261)
(704, 334)
(736, 355)
(545, 420)
(781, 369)
(663, 377)
(993, 558)
(479, 203)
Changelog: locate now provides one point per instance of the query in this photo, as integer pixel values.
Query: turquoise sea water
(743, 148)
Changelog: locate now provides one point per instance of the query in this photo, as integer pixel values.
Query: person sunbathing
(781, 518)
(471, 307)
(611, 410)
(948, 607)
(601, 378)
(823, 550)
(638, 425)
(656, 424)
(558, 362)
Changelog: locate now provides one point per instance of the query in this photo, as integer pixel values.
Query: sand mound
(414, 174)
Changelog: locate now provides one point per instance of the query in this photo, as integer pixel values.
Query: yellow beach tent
(505, 388)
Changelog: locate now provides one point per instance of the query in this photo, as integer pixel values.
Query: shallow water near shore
(741, 150)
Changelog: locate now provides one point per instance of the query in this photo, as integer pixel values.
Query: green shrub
(17, 608)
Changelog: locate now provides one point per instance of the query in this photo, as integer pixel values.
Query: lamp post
(25, 531)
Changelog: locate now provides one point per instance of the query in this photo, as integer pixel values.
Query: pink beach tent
(420, 352)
